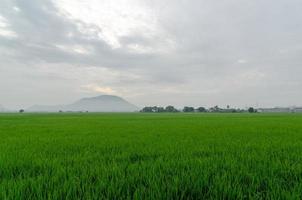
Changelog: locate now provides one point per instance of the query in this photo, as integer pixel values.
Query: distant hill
(103, 103)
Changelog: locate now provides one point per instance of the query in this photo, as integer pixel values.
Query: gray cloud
(191, 52)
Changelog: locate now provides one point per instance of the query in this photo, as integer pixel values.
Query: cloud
(152, 52)
(99, 89)
(242, 61)
(5, 30)
(75, 49)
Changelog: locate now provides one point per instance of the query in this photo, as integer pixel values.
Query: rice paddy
(150, 156)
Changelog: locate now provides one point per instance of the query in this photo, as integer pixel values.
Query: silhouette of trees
(188, 109)
(146, 109)
(171, 109)
(215, 109)
(252, 110)
(158, 109)
(201, 109)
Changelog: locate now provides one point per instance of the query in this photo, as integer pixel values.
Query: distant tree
(201, 109)
(60, 111)
(21, 111)
(147, 109)
(188, 109)
(160, 109)
(155, 109)
(228, 106)
(252, 110)
(215, 109)
(171, 109)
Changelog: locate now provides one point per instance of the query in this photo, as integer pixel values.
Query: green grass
(150, 156)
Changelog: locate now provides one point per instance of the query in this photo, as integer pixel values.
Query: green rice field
(150, 156)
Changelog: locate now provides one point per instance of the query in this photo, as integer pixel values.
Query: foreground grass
(150, 156)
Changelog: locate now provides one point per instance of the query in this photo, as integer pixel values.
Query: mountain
(103, 103)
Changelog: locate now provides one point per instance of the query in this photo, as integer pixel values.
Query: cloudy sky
(152, 52)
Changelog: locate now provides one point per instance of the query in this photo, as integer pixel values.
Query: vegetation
(143, 156)
(153, 109)
(188, 109)
(215, 109)
(171, 109)
(252, 110)
(201, 109)
(156, 109)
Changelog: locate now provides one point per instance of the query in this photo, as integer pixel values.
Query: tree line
(189, 109)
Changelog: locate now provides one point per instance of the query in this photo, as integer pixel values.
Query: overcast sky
(153, 52)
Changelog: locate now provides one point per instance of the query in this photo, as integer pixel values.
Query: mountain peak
(101, 97)
(101, 103)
